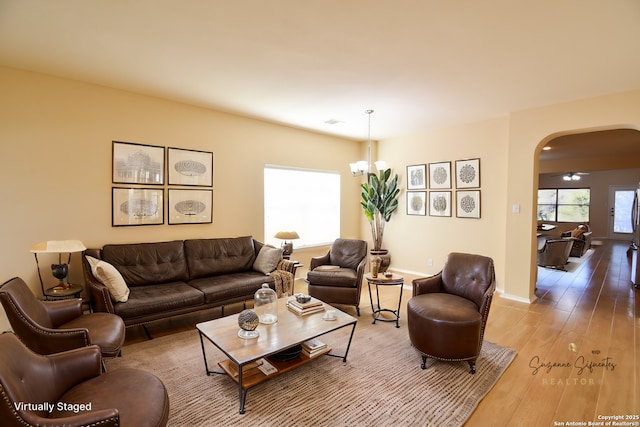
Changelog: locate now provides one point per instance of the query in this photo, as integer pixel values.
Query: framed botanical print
(190, 206)
(416, 202)
(440, 175)
(137, 206)
(468, 173)
(189, 167)
(137, 163)
(468, 204)
(440, 203)
(417, 177)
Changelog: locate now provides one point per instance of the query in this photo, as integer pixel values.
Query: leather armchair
(77, 393)
(554, 252)
(336, 277)
(581, 238)
(448, 312)
(53, 326)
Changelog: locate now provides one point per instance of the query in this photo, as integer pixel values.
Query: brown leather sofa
(74, 390)
(448, 312)
(336, 277)
(554, 252)
(53, 326)
(178, 277)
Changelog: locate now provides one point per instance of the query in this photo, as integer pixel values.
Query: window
(564, 204)
(302, 200)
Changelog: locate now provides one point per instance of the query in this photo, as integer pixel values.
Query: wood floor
(582, 334)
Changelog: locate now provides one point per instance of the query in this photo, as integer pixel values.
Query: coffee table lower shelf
(254, 376)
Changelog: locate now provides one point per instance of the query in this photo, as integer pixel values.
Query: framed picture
(417, 177)
(137, 206)
(468, 173)
(137, 163)
(189, 167)
(416, 202)
(190, 206)
(468, 204)
(440, 203)
(440, 175)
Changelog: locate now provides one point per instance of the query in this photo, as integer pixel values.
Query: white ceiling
(418, 63)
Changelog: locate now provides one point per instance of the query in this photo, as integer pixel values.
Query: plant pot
(385, 259)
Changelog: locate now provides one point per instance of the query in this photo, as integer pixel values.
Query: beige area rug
(380, 384)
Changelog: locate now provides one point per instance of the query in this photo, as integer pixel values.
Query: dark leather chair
(581, 238)
(554, 252)
(77, 392)
(53, 326)
(336, 277)
(448, 312)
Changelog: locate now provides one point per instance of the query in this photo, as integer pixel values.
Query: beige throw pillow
(267, 259)
(109, 276)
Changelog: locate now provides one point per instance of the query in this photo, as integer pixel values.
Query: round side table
(382, 280)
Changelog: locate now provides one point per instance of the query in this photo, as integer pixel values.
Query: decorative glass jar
(265, 304)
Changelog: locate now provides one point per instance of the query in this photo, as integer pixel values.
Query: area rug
(380, 384)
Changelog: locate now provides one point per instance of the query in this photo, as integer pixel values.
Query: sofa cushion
(164, 297)
(229, 287)
(267, 259)
(212, 257)
(109, 276)
(148, 263)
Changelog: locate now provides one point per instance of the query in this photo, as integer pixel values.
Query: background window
(564, 204)
(302, 200)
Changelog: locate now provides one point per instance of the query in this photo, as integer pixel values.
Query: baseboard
(516, 298)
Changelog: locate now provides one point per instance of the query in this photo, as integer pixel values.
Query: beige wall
(529, 131)
(413, 240)
(55, 164)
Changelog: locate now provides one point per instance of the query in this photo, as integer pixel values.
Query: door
(620, 208)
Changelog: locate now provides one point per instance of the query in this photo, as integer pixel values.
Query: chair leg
(472, 365)
(424, 362)
(358, 310)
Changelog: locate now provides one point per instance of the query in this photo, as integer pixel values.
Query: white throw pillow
(267, 259)
(109, 276)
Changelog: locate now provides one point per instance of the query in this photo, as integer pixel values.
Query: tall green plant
(379, 200)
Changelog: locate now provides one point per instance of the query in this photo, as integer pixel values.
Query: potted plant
(379, 200)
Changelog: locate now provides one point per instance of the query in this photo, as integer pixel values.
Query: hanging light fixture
(571, 176)
(362, 167)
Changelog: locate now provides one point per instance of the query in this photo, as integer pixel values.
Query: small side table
(72, 292)
(382, 280)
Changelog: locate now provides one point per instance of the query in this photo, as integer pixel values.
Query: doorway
(620, 206)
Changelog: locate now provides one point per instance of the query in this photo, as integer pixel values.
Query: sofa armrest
(287, 265)
(427, 285)
(63, 311)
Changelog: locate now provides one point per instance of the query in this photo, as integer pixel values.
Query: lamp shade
(286, 235)
(58, 246)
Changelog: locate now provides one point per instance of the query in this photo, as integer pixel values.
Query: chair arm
(75, 366)
(319, 260)
(427, 285)
(102, 418)
(63, 311)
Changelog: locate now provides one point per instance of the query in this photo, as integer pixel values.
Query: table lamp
(59, 270)
(287, 247)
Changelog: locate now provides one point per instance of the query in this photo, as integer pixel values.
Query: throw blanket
(283, 276)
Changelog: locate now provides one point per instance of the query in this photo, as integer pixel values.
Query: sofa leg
(358, 310)
(424, 362)
(472, 365)
(146, 332)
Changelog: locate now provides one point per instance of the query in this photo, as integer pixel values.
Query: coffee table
(289, 331)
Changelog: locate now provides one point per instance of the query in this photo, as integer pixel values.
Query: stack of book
(313, 347)
(313, 306)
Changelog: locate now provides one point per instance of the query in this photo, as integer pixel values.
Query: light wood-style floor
(587, 318)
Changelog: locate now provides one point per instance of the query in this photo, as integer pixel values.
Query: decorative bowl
(302, 298)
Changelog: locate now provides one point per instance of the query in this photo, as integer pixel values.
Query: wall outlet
(430, 262)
